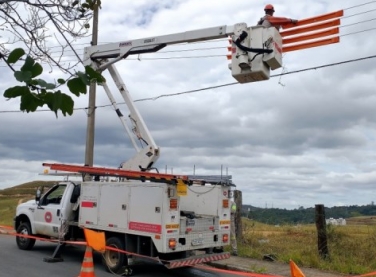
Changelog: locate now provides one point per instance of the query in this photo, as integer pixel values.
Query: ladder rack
(143, 175)
(114, 172)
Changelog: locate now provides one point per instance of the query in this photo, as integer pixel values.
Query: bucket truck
(176, 219)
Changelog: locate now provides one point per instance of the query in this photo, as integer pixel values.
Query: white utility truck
(164, 216)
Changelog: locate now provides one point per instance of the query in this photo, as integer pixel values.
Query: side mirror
(38, 195)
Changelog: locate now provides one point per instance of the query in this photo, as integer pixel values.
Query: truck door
(49, 214)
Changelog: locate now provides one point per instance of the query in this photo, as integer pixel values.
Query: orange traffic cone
(295, 270)
(87, 268)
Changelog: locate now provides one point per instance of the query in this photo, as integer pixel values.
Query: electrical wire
(223, 85)
(348, 16)
(211, 56)
(213, 48)
(360, 5)
(358, 32)
(223, 55)
(356, 23)
(271, 76)
(221, 47)
(200, 42)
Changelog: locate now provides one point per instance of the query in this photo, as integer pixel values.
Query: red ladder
(129, 174)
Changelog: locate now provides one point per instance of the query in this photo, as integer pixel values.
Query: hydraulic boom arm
(102, 57)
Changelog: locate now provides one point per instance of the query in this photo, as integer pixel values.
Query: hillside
(26, 189)
(358, 214)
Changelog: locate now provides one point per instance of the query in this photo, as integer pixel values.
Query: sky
(295, 140)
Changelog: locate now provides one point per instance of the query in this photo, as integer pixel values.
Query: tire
(24, 243)
(112, 260)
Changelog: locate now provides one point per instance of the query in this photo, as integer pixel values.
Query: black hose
(242, 36)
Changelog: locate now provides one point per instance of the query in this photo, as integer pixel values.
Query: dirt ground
(267, 268)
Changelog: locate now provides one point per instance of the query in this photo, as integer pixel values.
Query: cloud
(295, 140)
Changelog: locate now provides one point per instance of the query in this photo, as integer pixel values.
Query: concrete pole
(90, 129)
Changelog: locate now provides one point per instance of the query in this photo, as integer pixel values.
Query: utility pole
(90, 129)
(238, 215)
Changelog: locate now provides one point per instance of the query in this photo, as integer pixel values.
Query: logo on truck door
(48, 217)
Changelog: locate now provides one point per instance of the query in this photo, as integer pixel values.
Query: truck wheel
(24, 243)
(114, 260)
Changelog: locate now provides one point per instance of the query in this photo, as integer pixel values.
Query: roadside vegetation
(351, 247)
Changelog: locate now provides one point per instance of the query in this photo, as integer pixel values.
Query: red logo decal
(48, 217)
(225, 193)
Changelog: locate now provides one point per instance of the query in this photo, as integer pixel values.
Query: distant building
(333, 221)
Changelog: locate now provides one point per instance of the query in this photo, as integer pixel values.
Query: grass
(8, 210)
(351, 247)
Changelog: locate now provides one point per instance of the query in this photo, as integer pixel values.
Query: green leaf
(15, 55)
(40, 82)
(67, 104)
(76, 86)
(30, 102)
(61, 81)
(16, 91)
(94, 74)
(43, 84)
(23, 76)
(28, 65)
(36, 70)
(53, 100)
(83, 77)
(59, 101)
(50, 86)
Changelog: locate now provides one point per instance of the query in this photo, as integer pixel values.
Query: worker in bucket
(234, 244)
(268, 20)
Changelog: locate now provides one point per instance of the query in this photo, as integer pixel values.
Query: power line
(271, 76)
(180, 44)
(356, 23)
(358, 32)
(356, 6)
(223, 47)
(223, 85)
(223, 55)
(214, 48)
(345, 9)
(348, 16)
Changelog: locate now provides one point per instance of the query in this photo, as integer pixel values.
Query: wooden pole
(322, 242)
(238, 215)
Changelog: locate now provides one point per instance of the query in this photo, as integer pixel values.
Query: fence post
(322, 242)
(238, 215)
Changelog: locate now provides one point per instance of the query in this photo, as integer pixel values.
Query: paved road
(15, 262)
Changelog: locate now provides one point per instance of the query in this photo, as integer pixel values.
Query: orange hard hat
(269, 7)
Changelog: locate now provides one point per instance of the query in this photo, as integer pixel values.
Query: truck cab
(47, 216)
